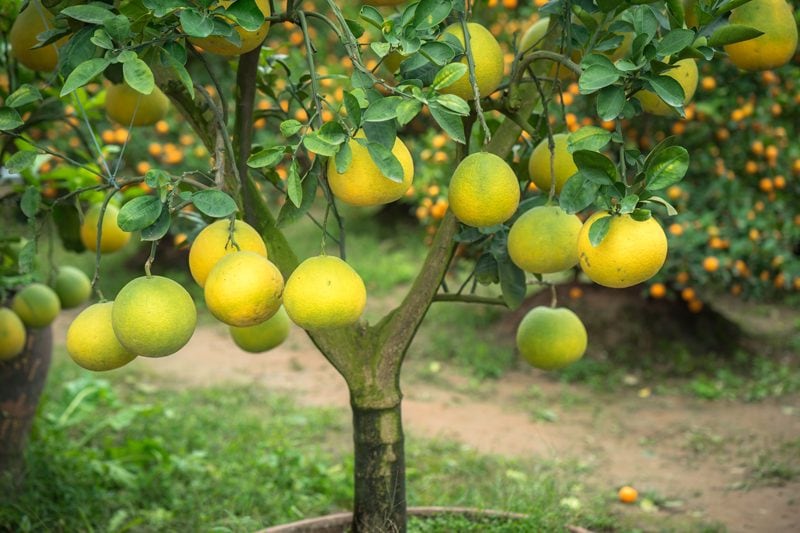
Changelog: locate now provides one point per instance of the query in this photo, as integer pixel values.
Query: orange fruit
(628, 494)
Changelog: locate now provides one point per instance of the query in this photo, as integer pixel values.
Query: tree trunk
(380, 486)
(21, 382)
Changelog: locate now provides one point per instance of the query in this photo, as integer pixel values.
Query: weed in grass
(775, 467)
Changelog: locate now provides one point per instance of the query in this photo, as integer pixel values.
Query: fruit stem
(473, 80)
(553, 296)
(150, 259)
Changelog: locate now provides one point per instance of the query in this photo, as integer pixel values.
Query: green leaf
(268, 157)
(83, 74)
(162, 8)
(118, 27)
(27, 257)
(732, 33)
(596, 167)
(454, 103)
(386, 161)
(667, 89)
(628, 204)
(102, 39)
(512, 282)
(294, 187)
(577, 194)
(343, 158)
(588, 138)
(372, 16)
(31, 201)
(430, 13)
(381, 49)
(139, 76)
(666, 168)
(20, 161)
(599, 229)
(407, 110)
(353, 109)
(179, 69)
(290, 213)
(196, 23)
(438, 53)
(450, 122)
(384, 133)
(315, 144)
(246, 14)
(91, 14)
(214, 203)
(675, 41)
(486, 266)
(671, 211)
(448, 75)
(159, 228)
(610, 102)
(675, 8)
(383, 109)
(9, 119)
(597, 76)
(355, 27)
(139, 213)
(332, 133)
(644, 20)
(290, 127)
(25, 94)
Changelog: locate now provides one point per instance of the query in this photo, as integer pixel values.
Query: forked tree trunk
(21, 382)
(380, 486)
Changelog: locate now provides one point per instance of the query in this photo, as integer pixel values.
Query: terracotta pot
(21, 382)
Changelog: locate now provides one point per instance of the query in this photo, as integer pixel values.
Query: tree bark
(21, 382)
(380, 489)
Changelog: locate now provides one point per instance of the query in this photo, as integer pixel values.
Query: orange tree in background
(340, 143)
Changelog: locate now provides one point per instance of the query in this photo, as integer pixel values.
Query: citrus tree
(518, 202)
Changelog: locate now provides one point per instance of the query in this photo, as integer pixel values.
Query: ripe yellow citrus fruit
(324, 292)
(216, 44)
(628, 494)
(545, 240)
(487, 56)
(632, 251)
(483, 191)
(363, 183)
(153, 316)
(214, 243)
(37, 305)
(776, 46)
(112, 237)
(12, 334)
(129, 107)
(685, 73)
(264, 336)
(35, 19)
(243, 289)
(72, 286)
(91, 341)
(551, 338)
(563, 164)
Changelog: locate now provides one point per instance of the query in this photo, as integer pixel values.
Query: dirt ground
(696, 456)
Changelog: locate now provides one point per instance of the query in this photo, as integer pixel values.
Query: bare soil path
(702, 457)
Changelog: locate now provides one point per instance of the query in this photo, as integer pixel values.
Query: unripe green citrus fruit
(551, 338)
(264, 336)
(37, 305)
(72, 286)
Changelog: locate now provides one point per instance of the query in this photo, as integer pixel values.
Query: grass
(120, 453)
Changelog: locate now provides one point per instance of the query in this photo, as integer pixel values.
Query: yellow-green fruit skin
(129, 107)
(363, 183)
(686, 74)
(35, 19)
(532, 38)
(12, 334)
(563, 166)
(324, 292)
(776, 46)
(72, 286)
(37, 305)
(153, 317)
(112, 237)
(213, 243)
(551, 338)
(487, 56)
(632, 251)
(91, 341)
(480, 202)
(264, 336)
(544, 240)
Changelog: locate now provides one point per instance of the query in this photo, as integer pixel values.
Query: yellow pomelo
(35, 19)
(324, 292)
(544, 240)
(243, 289)
(91, 341)
(112, 237)
(264, 336)
(563, 164)
(72, 286)
(363, 183)
(216, 44)
(778, 44)
(214, 243)
(483, 191)
(153, 316)
(487, 56)
(534, 35)
(37, 305)
(129, 107)
(12, 334)
(631, 252)
(551, 338)
(685, 73)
